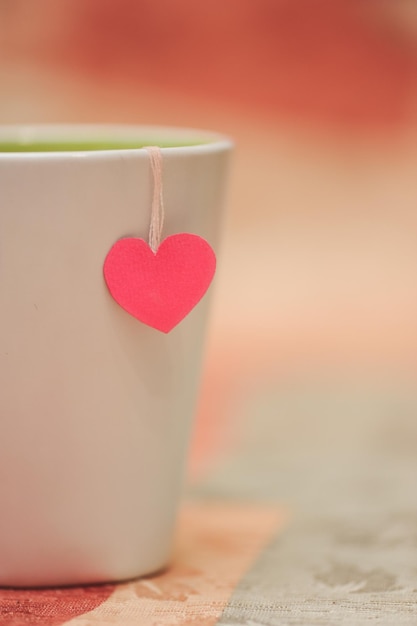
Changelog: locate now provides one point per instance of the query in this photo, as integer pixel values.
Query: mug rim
(202, 141)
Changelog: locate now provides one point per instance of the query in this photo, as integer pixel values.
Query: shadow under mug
(95, 407)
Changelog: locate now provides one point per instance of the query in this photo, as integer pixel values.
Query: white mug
(95, 407)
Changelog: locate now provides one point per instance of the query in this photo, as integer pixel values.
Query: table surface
(309, 518)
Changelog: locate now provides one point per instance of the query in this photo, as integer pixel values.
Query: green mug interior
(85, 145)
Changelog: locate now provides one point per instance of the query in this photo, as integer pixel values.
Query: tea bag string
(157, 211)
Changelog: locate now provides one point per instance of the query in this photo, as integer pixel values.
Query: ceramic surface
(95, 407)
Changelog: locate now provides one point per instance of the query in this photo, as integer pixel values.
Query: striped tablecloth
(309, 519)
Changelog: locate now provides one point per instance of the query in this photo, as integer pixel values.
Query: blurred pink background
(317, 279)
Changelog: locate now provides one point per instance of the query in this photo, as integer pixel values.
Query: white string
(157, 211)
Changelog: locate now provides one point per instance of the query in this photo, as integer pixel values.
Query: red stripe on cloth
(49, 607)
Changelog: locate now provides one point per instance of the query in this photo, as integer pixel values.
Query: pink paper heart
(160, 289)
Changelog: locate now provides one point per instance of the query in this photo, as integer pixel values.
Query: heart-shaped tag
(160, 288)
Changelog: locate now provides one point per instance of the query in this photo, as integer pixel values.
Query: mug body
(95, 407)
